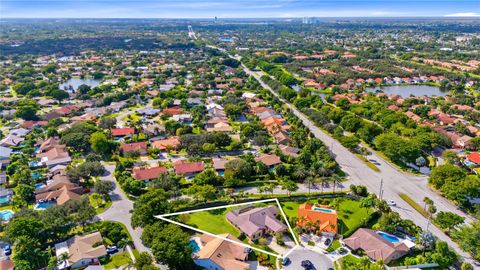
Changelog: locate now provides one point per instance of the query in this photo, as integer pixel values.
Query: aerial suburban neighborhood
(288, 142)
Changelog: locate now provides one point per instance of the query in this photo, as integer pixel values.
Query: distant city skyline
(236, 8)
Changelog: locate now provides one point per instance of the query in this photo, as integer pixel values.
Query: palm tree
(431, 210)
(309, 181)
(427, 201)
(301, 220)
(324, 181)
(335, 179)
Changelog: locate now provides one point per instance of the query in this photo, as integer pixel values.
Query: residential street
(395, 182)
(120, 211)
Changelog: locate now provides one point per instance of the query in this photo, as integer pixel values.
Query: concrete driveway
(320, 261)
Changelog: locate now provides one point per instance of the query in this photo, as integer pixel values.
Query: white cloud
(464, 14)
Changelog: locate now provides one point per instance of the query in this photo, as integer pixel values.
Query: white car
(391, 203)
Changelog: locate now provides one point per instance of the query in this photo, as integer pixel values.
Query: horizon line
(249, 18)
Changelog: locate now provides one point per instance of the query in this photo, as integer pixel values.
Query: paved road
(319, 261)
(120, 211)
(395, 182)
(302, 188)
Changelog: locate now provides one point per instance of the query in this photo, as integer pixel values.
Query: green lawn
(335, 244)
(99, 203)
(118, 260)
(213, 221)
(350, 214)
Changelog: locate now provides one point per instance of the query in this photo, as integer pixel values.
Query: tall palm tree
(335, 179)
(310, 180)
(427, 201)
(323, 181)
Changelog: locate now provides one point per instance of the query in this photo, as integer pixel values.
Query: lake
(76, 82)
(407, 90)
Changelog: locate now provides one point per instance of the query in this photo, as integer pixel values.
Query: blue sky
(235, 8)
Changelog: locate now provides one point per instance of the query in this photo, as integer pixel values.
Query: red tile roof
(474, 157)
(131, 147)
(122, 131)
(144, 173)
(182, 166)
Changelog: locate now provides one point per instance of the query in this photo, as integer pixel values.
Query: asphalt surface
(319, 261)
(395, 181)
(120, 211)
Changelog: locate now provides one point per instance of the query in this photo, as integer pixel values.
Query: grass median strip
(413, 204)
(368, 163)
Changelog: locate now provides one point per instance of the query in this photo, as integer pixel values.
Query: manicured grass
(349, 212)
(335, 244)
(414, 204)
(368, 163)
(99, 203)
(213, 221)
(117, 260)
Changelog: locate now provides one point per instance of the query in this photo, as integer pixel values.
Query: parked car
(8, 250)
(112, 249)
(307, 264)
(286, 261)
(391, 203)
(327, 242)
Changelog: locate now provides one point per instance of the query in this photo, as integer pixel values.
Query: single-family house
(186, 168)
(219, 254)
(325, 218)
(140, 147)
(5, 153)
(11, 140)
(256, 222)
(60, 190)
(166, 144)
(473, 159)
(269, 160)
(289, 150)
(82, 251)
(122, 132)
(148, 173)
(375, 246)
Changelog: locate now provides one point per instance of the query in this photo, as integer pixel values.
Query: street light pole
(380, 193)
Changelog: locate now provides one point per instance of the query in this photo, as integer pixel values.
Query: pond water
(408, 90)
(76, 82)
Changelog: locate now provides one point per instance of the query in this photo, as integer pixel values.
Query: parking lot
(320, 261)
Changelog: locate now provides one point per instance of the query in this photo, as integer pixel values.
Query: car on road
(286, 261)
(307, 265)
(391, 203)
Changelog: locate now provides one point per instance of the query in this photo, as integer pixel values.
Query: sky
(236, 8)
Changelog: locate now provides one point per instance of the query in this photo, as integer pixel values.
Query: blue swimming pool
(6, 215)
(390, 238)
(221, 173)
(44, 205)
(193, 244)
(4, 199)
(33, 164)
(35, 175)
(325, 210)
(39, 185)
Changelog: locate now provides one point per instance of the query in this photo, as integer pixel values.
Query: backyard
(213, 221)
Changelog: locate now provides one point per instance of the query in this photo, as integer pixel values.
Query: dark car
(307, 264)
(286, 261)
(112, 250)
(327, 242)
(8, 250)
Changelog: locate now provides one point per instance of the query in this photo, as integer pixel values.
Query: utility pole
(380, 193)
